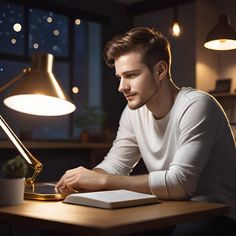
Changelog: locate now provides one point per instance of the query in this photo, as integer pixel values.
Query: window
(48, 32)
(28, 30)
(11, 32)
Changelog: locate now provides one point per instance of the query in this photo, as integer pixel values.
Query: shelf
(51, 144)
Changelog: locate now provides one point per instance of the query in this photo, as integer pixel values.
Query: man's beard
(145, 102)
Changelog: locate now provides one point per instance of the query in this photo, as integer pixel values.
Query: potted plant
(89, 121)
(12, 183)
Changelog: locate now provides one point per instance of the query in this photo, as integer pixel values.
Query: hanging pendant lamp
(176, 29)
(222, 36)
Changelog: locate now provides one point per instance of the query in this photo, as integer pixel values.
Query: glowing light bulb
(176, 30)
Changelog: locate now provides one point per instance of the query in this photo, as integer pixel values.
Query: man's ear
(161, 69)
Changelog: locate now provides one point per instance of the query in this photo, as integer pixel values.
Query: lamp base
(44, 192)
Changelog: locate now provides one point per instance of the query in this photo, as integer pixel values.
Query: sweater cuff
(157, 184)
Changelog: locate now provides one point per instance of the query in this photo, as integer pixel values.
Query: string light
(56, 32)
(13, 41)
(36, 45)
(75, 90)
(49, 19)
(17, 27)
(77, 21)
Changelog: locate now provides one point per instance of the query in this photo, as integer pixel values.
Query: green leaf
(15, 168)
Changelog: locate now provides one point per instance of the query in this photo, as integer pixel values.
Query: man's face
(137, 83)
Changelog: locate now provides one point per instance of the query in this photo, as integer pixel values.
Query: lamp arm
(8, 84)
(31, 160)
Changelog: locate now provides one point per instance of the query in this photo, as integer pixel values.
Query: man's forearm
(137, 183)
(98, 179)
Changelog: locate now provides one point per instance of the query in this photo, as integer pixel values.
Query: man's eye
(131, 75)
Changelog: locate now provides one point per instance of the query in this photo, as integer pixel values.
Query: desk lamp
(38, 93)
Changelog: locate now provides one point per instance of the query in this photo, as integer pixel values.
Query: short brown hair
(148, 41)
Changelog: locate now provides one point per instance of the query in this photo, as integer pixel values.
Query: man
(182, 134)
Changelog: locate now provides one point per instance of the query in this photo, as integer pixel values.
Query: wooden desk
(83, 220)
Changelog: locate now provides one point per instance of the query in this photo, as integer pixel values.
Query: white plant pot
(12, 191)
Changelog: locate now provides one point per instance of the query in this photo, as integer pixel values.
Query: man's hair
(152, 45)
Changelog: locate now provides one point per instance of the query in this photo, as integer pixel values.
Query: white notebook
(111, 199)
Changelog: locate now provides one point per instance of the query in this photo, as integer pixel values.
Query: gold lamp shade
(221, 36)
(38, 92)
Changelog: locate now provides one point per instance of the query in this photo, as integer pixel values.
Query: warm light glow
(77, 21)
(75, 90)
(49, 19)
(56, 32)
(221, 44)
(222, 36)
(36, 45)
(37, 104)
(175, 30)
(13, 41)
(17, 27)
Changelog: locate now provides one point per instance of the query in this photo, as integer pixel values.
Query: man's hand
(97, 179)
(82, 178)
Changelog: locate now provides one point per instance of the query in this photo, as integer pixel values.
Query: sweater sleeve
(124, 153)
(197, 130)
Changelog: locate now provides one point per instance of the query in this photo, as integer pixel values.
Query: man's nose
(123, 86)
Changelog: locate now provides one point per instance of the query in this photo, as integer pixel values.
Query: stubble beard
(141, 103)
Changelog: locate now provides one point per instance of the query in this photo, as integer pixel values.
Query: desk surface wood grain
(89, 221)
